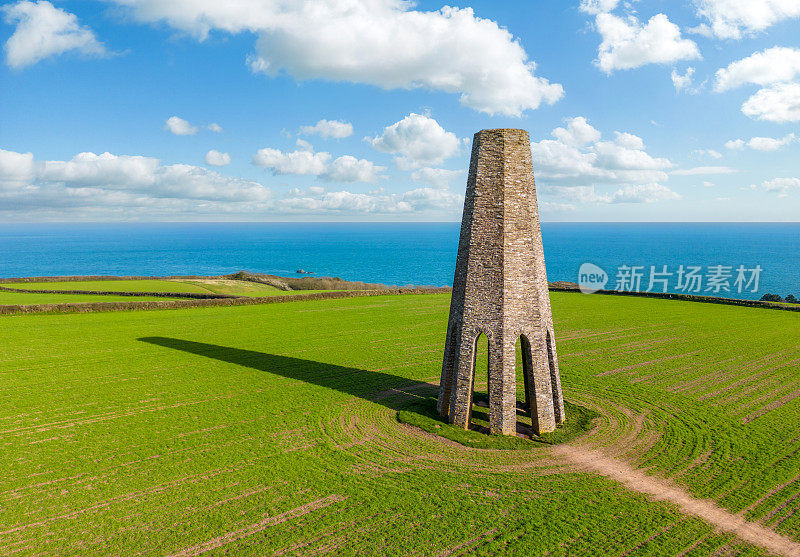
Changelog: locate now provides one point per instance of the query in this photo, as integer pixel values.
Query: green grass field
(272, 430)
(27, 298)
(206, 286)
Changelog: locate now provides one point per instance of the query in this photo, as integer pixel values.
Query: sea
(734, 260)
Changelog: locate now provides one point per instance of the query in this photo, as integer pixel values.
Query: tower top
(506, 132)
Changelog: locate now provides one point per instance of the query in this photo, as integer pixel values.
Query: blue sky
(364, 109)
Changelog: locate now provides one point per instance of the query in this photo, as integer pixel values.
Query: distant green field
(113, 285)
(271, 430)
(205, 286)
(25, 298)
(240, 288)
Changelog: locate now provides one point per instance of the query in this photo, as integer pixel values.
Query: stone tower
(500, 290)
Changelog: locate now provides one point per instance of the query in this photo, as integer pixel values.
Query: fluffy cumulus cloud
(450, 50)
(417, 140)
(773, 65)
(329, 129)
(147, 175)
(125, 186)
(762, 143)
(215, 158)
(642, 193)
(108, 186)
(775, 69)
(439, 178)
(304, 161)
(577, 162)
(710, 153)
(778, 103)
(781, 186)
(350, 169)
(733, 19)
(577, 133)
(179, 126)
(595, 7)
(16, 170)
(628, 44)
(422, 200)
(42, 30)
(683, 82)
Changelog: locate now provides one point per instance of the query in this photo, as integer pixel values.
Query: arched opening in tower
(479, 416)
(526, 388)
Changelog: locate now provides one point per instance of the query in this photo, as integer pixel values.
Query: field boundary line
(225, 539)
(662, 490)
(189, 295)
(91, 307)
(685, 298)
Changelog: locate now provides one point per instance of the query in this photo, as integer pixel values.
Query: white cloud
(179, 126)
(708, 184)
(732, 19)
(304, 161)
(350, 169)
(301, 162)
(595, 7)
(430, 198)
(439, 178)
(215, 158)
(329, 129)
(304, 145)
(644, 193)
(778, 103)
(773, 65)
(781, 186)
(214, 127)
(623, 160)
(121, 187)
(571, 168)
(682, 82)
(146, 175)
(16, 169)
(551, 207)
(379, 202)
(628, 44)
(704, 170)
(418, 140)
(762, 143)
(384, 43)
(699, 153)
(42, 30)
(577, 133)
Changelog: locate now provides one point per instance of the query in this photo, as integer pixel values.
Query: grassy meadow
(272, 430)
(27, 298)
(199, 286)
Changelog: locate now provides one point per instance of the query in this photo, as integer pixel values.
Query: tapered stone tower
(500, 290)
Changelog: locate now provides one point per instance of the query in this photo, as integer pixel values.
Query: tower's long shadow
(374, 386)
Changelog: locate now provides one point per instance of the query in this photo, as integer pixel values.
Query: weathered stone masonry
(500, 290)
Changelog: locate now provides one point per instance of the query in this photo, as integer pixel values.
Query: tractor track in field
(662, 490)
(608, 459)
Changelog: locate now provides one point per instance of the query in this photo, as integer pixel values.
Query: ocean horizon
(407, 253)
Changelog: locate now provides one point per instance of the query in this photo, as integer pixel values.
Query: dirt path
(661, 490)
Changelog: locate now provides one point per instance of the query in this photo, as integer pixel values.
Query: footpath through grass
(272, 429)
